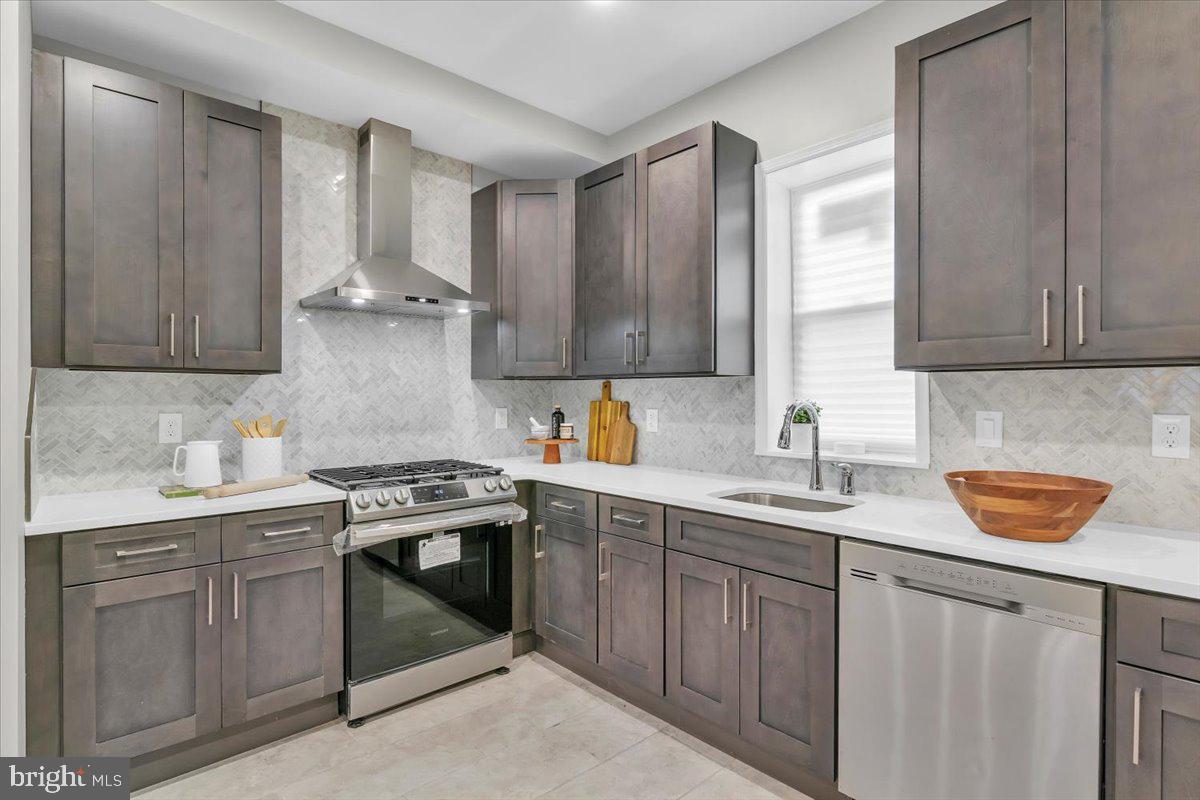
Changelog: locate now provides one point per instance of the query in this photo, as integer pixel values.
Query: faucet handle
(846, 484)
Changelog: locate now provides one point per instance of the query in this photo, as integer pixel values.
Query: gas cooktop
(405, 473)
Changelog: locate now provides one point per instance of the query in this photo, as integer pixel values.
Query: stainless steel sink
(784, 501)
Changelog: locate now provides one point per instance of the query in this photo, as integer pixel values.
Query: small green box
(177, 491)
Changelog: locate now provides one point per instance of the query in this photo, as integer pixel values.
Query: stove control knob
(505, 482)
(382, 498)
(401, 496)
(363, 500)
(489, 485)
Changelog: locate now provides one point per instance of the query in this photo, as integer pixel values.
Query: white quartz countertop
(86, 510)
(1153, 559)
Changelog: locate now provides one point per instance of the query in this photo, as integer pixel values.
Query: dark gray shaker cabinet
(1133, 180)
(979, 190)
(125, 273)
(141, 662)
(282, 632)
(630, 615)
(565, 593)
(1160, 761)
(232, 236)
(522, 256)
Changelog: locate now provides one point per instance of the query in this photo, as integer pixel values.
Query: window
(825, 304)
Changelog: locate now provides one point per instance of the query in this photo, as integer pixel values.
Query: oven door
(423, 596)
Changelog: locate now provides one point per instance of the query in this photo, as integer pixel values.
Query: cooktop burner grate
(407, 472)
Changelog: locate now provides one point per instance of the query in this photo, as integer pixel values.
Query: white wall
(14, 362)
(836, 82)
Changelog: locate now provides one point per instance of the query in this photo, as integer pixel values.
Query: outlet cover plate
(170, 428)
(501, 418)
(1171, 436)
(651, 420)
(989, 428)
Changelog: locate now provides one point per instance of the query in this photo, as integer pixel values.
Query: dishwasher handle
(993, 603)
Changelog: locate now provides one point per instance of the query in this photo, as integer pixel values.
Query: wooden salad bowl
(1030, 506)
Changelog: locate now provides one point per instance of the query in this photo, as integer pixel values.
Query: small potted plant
(802, 436)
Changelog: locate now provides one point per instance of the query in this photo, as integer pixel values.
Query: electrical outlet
(1171, 436)
(989, 428)
(170, 428)
(501, 418)
(651, 420)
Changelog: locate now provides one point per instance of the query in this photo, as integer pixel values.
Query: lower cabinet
(141, 662)
(565, 572)
(630, 621)
(1157, 730)
(754, 654)
(282, 632)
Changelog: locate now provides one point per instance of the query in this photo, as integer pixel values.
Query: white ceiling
(604, 64)
(526, 89)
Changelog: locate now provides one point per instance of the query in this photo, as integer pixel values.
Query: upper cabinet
(156, 225)
(1009, 124)
(659, 276)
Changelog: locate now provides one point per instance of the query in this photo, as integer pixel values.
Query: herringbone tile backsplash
(360, 388)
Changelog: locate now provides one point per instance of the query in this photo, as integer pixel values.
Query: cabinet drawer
(573, 506)
(264, 532)
(633, 519)
(91, 556)
(1162, 633)
(773, 549)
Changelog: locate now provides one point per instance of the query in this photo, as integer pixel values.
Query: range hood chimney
(385, 280)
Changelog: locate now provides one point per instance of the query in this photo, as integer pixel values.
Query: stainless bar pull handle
(628, 520)
(536, 530)
(628, 353)
(746, 606)
(288, 531)
(171, 352)
(196, 335)
(1137, 724)
(639, 347)
(563, 506)
(1045, 317)
(235, 595)
(145, 551)
(603, 574)
(726, 619)
(564, 352)
(1079, 313)
(210, 601)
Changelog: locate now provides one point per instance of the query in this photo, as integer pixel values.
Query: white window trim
(773, 306)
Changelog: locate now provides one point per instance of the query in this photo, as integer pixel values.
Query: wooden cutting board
(593, 437)
(606, 412)
(621, 436)
(245, 487)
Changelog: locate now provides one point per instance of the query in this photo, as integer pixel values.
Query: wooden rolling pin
(245, 487)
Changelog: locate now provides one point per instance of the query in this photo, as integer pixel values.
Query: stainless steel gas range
(428, 577)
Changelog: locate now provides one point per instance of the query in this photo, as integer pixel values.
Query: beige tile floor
(539, 731)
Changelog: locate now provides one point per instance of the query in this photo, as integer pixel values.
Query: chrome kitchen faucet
(785, 438)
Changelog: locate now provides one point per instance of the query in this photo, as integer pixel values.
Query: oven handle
(357, 536)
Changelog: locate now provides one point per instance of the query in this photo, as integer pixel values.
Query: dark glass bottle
(556, 421)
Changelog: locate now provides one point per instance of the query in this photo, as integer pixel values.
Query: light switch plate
(1171, 436)
(501, 418)
(989, 428)
(651, 420)
(170, 428)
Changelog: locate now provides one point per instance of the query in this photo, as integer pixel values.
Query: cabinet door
(565, 570)
(1133, 180)
(604, 270)
(232, 230)
(282, 632)
(674, 254)
(122, 218)
(702, 638)
(787, 670)
(141, 662)
(1157, 728)
(631, 611)
(979, 190)
(536, 277)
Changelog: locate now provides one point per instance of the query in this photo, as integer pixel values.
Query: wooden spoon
(237, 423)
(264, 426)
(279, 426)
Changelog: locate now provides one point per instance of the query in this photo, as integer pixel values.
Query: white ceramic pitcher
(202, 466)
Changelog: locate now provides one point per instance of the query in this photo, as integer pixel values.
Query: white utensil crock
(262, 458)
(202, 466)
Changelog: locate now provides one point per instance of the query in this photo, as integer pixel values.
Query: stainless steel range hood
(384, 280)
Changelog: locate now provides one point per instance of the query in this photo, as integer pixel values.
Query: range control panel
(434, 493)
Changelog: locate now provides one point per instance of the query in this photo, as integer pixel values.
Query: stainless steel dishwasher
(960, 681)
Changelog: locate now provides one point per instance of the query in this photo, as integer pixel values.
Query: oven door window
(400, 614)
